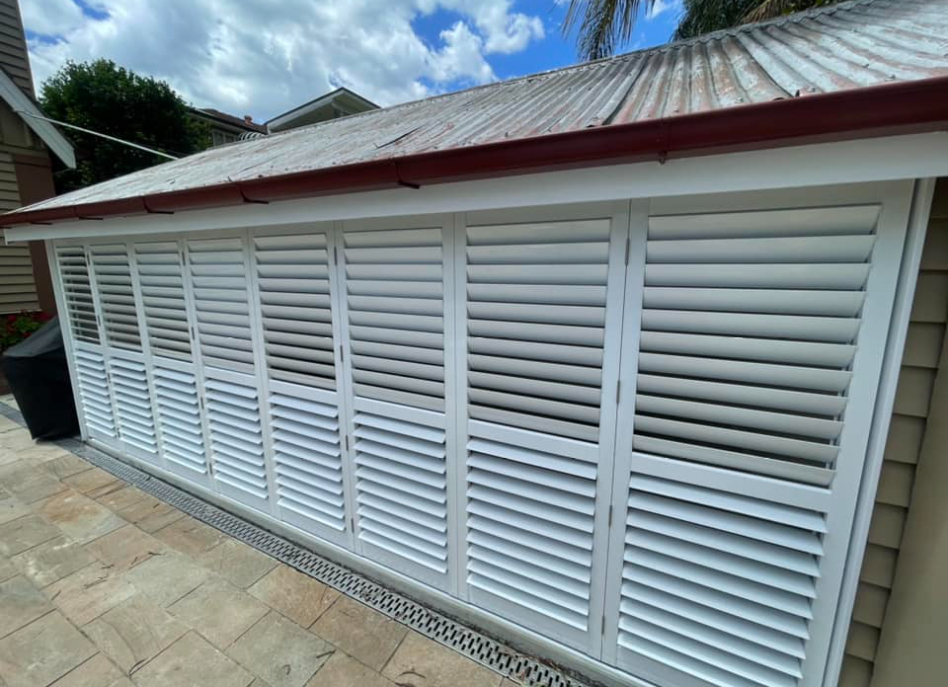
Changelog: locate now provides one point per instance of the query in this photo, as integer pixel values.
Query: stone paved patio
(101, 585)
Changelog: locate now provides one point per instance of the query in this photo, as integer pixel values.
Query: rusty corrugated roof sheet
(846, 46)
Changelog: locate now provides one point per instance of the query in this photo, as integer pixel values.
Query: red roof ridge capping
(872, 111)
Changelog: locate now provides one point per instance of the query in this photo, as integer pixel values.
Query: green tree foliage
(104, 97)
(605, 25)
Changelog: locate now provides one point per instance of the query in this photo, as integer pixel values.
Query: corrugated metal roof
(846, 46)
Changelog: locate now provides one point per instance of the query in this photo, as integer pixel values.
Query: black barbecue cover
(39, 378)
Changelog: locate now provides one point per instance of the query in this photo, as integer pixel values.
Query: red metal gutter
(906, 107)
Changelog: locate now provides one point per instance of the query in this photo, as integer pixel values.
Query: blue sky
(262, 57)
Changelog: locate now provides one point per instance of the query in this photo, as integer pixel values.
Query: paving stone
(341, 670)
(7, 570)
(98, 671)
(360, 631)
(509, 683)
(125, 548)
(94, 483)
(422, 662)
(134, 632)
(40, 452)
(30, 482)
(67, 464)
(281, 652)
(219, 611)
(239, 564)
(11, 509)
(150, 514)
(120, 499)
(15, 440)
(42, 652)
(189, 536)
(166, 578)
(52, 561)
(294, 594)
(78, 516)
(90, 592)
(6, 424)
(192, 662)
(20, 604)
(25, 533)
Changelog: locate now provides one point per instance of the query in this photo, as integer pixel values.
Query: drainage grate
(451, 633)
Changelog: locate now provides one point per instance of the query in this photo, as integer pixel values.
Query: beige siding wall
(13, 55)
(920, 363)
(17, 286)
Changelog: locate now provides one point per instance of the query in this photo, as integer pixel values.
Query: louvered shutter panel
(133, 406)
(236, 437)
(307, 456)
(113, 279)
(178, 412)
(179, 418)
(77, 293)
(219, 282)
(719, 574)
(295, 307)
(94, 393)
(161, 277)
(394, 291)
(537, 296)
(761, 343)
(749, 331)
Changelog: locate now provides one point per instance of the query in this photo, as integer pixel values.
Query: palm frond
(603, 24)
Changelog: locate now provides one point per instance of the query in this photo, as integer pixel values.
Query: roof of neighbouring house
(229, 119)
(23, 104)
(343, 96)
(856, 66)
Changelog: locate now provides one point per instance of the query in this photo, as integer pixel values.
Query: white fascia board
(868, 160)
(20, 102)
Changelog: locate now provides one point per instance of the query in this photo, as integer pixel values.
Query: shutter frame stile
(833, 499)
(69, 342)
(487, 441)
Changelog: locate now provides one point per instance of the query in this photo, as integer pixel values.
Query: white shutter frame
(398, 406)
(599, 453)
(880, 290)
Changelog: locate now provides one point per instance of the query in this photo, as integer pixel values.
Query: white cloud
(262, 58)
(51, 17)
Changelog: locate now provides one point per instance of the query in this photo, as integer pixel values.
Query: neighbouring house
(227, 128)
(26, 168)
(338, 103)
(639, 364)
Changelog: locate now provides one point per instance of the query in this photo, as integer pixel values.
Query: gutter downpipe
(888, 109)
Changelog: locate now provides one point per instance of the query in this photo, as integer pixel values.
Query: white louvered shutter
(233, 418)
(293, 284)
(537, 298)
(161, 278)
(394, 291)
(95, 394)
(761, 344)
(219, 282)
(113, 280)
(125, 361)
(219, 276)
(77, 293)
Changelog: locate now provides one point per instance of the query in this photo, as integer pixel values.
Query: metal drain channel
(444, 630)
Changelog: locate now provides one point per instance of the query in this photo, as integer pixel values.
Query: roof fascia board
(20, 102)
(823, 164)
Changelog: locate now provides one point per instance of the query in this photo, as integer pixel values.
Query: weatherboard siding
(17, 284)
(907, 433)
(13, 55)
